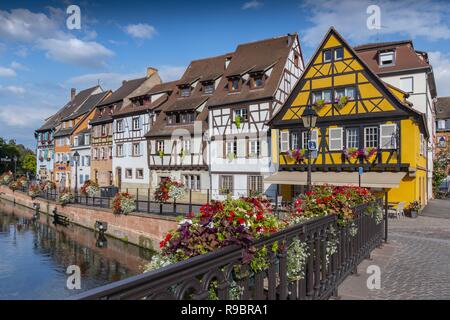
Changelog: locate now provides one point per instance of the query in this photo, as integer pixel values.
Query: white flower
(185, 221)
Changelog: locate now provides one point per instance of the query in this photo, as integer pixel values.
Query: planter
(413, 214)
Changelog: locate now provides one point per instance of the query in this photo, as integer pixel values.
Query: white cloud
(47, 32)
(76, 51)
(13, 116)
(441, 68)
(12, 89)
(406, 17)
(254, 4)
(17, 66)
(170, 73)
(7, 72)
(140, 30)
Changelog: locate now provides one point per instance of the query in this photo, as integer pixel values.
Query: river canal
(35, 255)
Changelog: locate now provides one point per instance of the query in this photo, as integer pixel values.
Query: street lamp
(76, 158)
(309, 118)
(15, 166)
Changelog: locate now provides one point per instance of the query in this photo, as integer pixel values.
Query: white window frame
(421, 144)
(385, 54)
(348, 146)
(119, 150)
(314, 137)
(441, 124)
(136, 149)
(186, 146)
(335, 55)
(391, 146)
(323, 55)
(229, 147)
(119, 126)
(366, 129)
(295, 142)
(340, 138)
(254, 149)
(284, 141)
(134, 121)
(240, 112)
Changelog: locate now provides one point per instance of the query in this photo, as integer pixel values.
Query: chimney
(151, 71)
(73, 93)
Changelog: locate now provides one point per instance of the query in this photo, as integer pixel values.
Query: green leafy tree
(29, 163)
(439, 171)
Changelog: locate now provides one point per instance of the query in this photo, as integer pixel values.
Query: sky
(41, 59)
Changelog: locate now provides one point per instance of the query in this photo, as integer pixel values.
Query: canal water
(35, 254)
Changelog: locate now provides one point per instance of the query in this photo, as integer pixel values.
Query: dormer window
(386, 58)
(185, 92)
(234, 85)
(258, 81)
(208, 88)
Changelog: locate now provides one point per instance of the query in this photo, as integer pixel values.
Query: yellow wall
(376, 101)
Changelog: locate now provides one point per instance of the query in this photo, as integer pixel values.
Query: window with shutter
(335, 139)
(388, 139)
(352, 137)
(284, 141)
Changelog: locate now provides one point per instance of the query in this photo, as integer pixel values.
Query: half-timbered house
(177, 147)
(102, 132)
(362, 123)
(401, 65)
(258, 79)
(63, 135)
(130, 124)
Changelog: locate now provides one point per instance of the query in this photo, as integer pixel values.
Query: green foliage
(26, 159)
(439, 174)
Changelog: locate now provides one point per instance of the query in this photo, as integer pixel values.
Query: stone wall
(142, 229)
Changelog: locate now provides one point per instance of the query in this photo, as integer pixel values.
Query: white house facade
(259, 78)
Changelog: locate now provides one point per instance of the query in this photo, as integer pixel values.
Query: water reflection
(34, 255)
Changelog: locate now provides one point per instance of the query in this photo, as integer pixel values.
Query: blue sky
(40, 59)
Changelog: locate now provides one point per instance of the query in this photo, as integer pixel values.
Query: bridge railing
(312, 260)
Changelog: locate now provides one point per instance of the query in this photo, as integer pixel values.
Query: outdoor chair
(397, 212)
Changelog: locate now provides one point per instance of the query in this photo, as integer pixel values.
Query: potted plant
(65, 197)
(6, 178)
(341, 102)
(238, 121)
(34, 191)
(167, 189)
(123, 203)
(182, 154)
(414, 208)
(231, 156)
(298, 155)
(161, 153)
(90, 188)
(319, 103)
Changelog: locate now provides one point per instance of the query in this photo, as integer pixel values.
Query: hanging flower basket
(123, 203)
(90, 188)
(169, 189)
(231, 156)
(23, 181)
(238, 121)
(297, 154)
(65, 198)
(15, 185)
(161, 153)
(341, 102)
(182, 154)
(48, 186)
(319, 104)
(6, 178)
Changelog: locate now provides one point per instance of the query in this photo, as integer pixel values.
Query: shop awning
(387, 180)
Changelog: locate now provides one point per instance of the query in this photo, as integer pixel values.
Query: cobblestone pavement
(415, 263)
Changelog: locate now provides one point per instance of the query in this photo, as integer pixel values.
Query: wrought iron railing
(323, 271)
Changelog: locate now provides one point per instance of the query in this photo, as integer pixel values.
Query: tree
(29, 164)
(439, 172)
(9, 150)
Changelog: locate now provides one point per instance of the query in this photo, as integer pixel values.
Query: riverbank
(142, 229)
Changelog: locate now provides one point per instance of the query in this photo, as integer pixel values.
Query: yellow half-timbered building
(362, 123)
